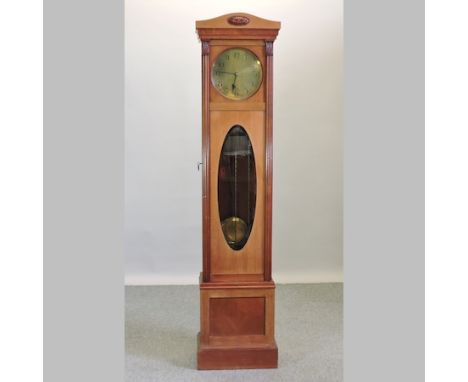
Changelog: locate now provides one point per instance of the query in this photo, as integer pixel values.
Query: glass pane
(237, 187)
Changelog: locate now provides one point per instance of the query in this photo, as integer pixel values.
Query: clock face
(237, 73)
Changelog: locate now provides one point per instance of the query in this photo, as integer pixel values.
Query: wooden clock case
(237, 293)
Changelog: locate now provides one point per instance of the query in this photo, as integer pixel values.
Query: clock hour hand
(234, 83)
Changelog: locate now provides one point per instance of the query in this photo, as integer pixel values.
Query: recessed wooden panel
(210, 291)
(236, 316)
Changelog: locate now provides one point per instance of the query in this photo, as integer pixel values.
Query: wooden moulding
(236, 281)
(268, 160)
(215, 358)
(206, 158)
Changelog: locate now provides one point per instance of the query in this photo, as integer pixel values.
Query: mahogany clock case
(237, 293)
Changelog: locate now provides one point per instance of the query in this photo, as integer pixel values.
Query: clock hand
(234, 83)
(220, 71)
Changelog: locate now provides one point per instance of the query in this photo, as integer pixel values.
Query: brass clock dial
(237, 73)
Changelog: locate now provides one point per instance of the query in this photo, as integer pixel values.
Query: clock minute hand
(220, 71)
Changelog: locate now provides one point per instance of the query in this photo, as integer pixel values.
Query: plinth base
(237, 325)
(216, 357)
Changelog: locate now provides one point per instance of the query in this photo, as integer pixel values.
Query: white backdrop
(163, 138)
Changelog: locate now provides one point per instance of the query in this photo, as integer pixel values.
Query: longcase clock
(237, 293)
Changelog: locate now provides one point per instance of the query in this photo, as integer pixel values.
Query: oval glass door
(237, 187)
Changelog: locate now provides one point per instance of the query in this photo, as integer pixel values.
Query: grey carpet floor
(162, 322)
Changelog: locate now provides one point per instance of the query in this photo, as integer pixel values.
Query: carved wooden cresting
(237, 293)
